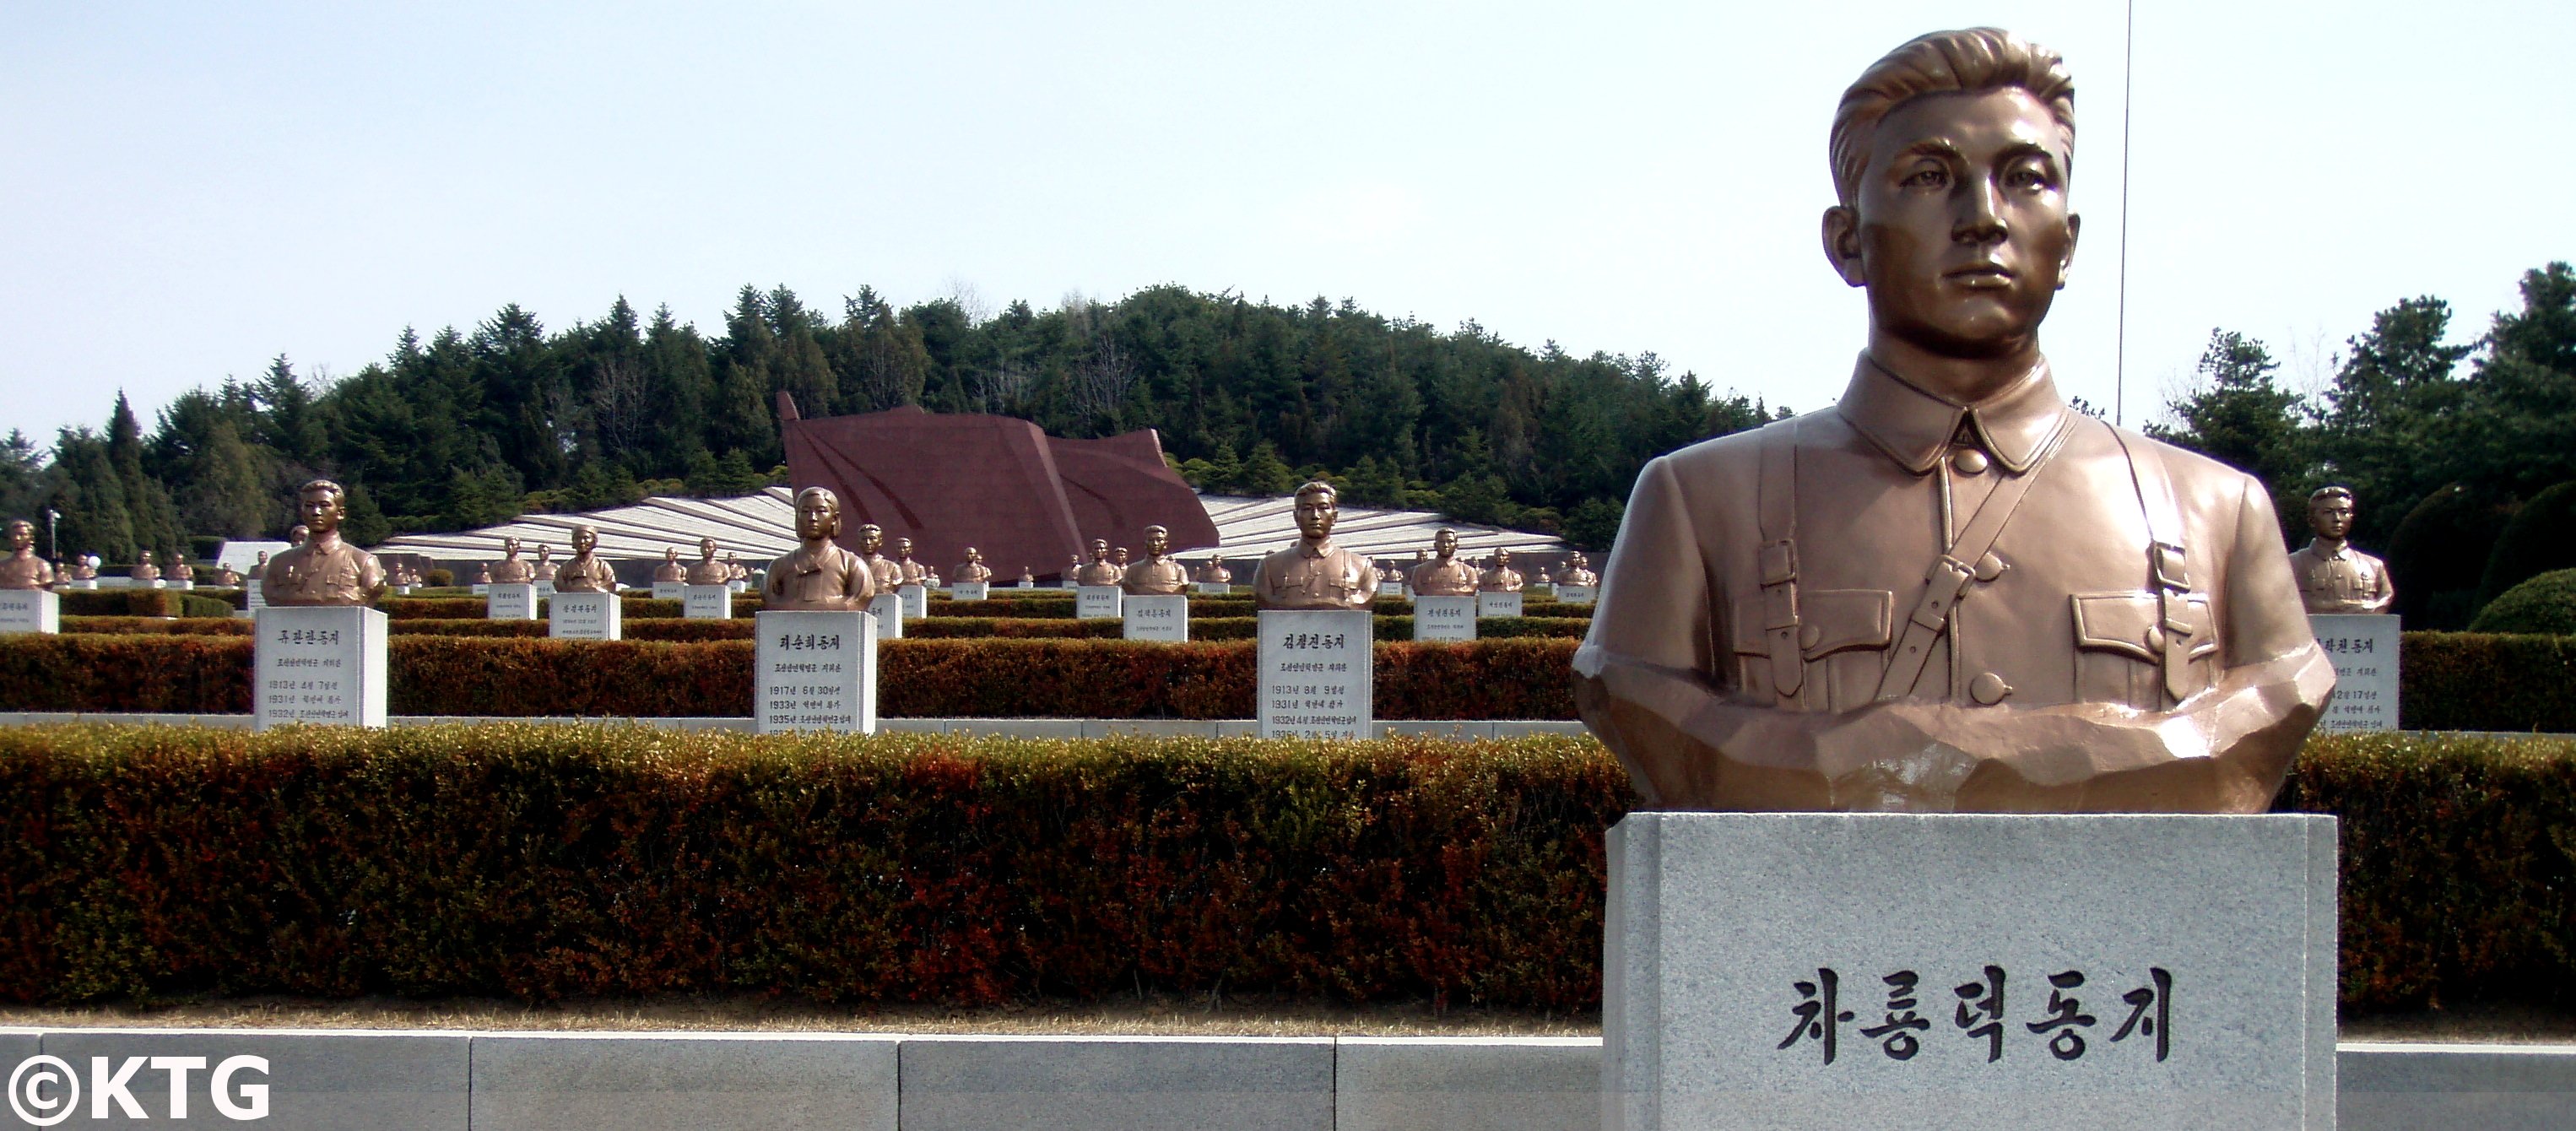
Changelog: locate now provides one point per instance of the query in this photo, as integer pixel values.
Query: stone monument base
(916, 601)
(706, 602)
(888, 609)
(1444, 618)
(1098, 602)
(30, 610)
(1155, 616)
(1498, 604)
(510, 602)
(970, 591)
(1318, 674)
(815, 671)
(586, 616)
(670, 590)
(1811, 970)
(2364, 649)
(318, 664)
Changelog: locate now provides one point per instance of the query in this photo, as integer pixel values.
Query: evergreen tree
(2242, 418)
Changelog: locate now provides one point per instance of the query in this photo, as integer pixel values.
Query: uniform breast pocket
(2120, 646)
(1842, 641)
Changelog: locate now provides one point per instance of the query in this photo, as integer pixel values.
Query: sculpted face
(871, 538)
(296, 536)
(706, 549)
(1315, 514)
(1960, 229)
(974, 555)
(2331, 516)
(1502, 559)
(1100, 549)
(1446, 543)
(320, 511)
(509, 547)
(903, 548)
(818, 515)
(584, 539)
(671, 554)
(1157, 540)
(22, 535)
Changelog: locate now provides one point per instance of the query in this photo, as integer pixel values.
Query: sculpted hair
(1973, 61)
(334, 489)
(2324, 493)
(1319, 487)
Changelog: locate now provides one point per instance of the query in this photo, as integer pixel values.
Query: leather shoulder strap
(1778, 505)
(1947, 579)
(2168, 573)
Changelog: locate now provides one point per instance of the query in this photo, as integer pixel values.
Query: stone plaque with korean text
(1444, 618)
(1317, 669)
(1098, 602)
(706, 602)
(2363, 647)
(318, 664)
(511, 602)
(1156, 616)
(670, 590)
(30, 610)
(815, 671)
(1578, 594)
(1497, 605)
(888, 609)
(970, 591)
(586, 616)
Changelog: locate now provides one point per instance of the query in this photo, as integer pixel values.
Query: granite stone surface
(315, 1080)
(1117, 1084)
(684, 1082)
(1810, 970)
(1488, 1083)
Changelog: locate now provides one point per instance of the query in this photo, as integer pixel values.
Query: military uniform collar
(1321, 549)
(2332, 553)
(2016, 426)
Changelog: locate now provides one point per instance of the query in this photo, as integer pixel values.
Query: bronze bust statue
(22, 569)
(1214, 572)
(584, 572)
(322, 570)
(297, 535)
(818, 574)
(1315, 573)
(670, 570)
(1950, 591)
(1098, 571)
(510, 570)
(1502, 578)
(914, 573)
(1445, 575)
(974, 569)
(1577, 571)
(1157, 575)
(887, 575)
(707, 570)
(143, 569)
(2333, 577)
(545, 567)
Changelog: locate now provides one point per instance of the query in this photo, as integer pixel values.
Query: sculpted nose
(1981, 213)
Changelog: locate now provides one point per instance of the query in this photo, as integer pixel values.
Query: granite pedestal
(1578, 594)
(1797, 970)
(706, 602)
(1099, 602)
(815, 671)
(1317, 673)
(1498, 605)
(2363, 647)
(888, 609)
(318, 664)
(970, 591)
(30, 610)
(1444, 618)
(670, 590)
(510, 602)
(586, 616)
(916, 601)
(1155, 616)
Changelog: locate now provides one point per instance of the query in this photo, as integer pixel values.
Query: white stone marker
(586, 616)
(1498, 605)
(1098, 602)
(670, 590)
(916, 601)
(1211, 588)
(816, 671)
(482, 588)
(1969, 972)
(511, 602)
(1026, 583)
(84, 583)
(545, 589)
(1317, 673)
(30, 610)
(2364, 649)
(1444, 618)
(970, 591)
(1578, 594)
(888, 609)
(318, 664)
(1156, 616)
(706, 602)
(1390, 585)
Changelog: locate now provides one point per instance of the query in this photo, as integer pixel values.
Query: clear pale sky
(193, 188)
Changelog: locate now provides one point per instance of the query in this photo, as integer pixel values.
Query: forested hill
(470, 427)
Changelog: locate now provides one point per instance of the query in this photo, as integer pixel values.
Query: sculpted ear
(1842, 244)
(2074, 228)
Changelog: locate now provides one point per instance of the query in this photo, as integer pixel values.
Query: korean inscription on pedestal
(1444, 618)
(1163, 616)
(816, 672)
(318, 664)
(2364, 649)
(1316, 673)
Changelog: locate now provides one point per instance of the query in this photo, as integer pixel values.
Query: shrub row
(140, 603)
(2480, 681)
(743, 628)
(441, 674)
(544, 862)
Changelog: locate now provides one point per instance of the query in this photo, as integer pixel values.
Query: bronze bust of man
(1950, 591)
(322, 570)
(510, 570)
(914, 573)
(1444, 575)
(1502, 578)
(584, 572)
(670, 570)
(22, 569)
(1577, 571)
(887, 575)
(707, 570)
(143, 569)
(1214, 572)
(1157, 575)
(1315, 573)
(973, 568)
(2333, 577)
(818, 574)
(1097, 571)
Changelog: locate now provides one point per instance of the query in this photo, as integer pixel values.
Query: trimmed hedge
(2542, 604)
(1392, 629)
(544, 862)
(2477, 681)
(140, 603)
(441, 674)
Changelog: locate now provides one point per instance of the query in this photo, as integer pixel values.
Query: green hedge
(2542, 604)
(2477, 681)
(440, 674)
(140, 603)
(544, 862)
(1393, 629)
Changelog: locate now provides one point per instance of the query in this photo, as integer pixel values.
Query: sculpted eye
(2032, 178)
(1931, 177)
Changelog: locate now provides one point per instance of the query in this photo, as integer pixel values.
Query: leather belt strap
(2167, 570)
(1946, 580)
(1778, 506)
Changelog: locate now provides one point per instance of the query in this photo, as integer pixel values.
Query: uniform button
(1990, 567)
(1811, 635)
(2155, 640)
(1969, 461)
(1988, 689)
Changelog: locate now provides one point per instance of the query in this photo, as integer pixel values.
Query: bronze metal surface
(584, 572)
(2333, 576)
(511, 570)
(818, 574)
(1315, 573)
(670, 570)
(973, 568)
(1444, 575)
(707, 570)
(1845, 611)
(22, 569)
(1157, 574)
(1502, 578)
(322, 569)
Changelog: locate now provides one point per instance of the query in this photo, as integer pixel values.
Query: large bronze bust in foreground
(818, 574)
(1950, 591)
(321, 570)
